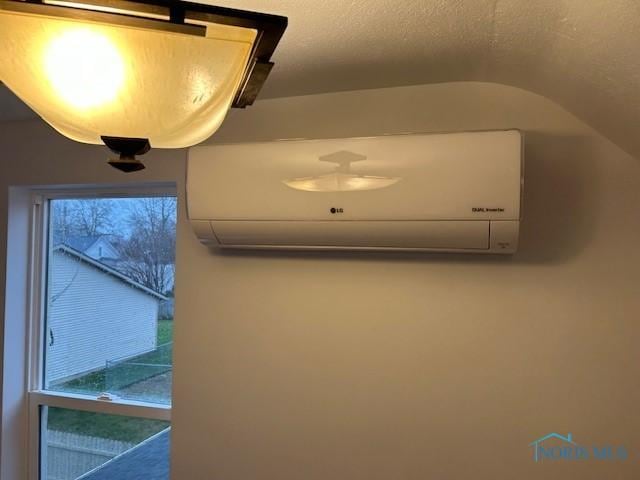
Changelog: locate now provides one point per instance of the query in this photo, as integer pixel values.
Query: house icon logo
(557, 447)
(538, 444)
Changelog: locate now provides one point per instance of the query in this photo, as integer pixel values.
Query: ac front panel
(477, 236)
(459, 176)
(435, 234)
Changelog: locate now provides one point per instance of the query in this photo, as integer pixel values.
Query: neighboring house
(95, 314)
(98, 247)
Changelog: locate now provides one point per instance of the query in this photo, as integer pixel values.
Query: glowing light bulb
(84, 68)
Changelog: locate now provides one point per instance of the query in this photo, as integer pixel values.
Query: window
(102, 335)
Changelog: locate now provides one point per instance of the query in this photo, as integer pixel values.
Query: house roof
(81, 243)
(107, 269)
(149, 460)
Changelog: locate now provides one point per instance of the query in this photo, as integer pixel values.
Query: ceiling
(583, 54)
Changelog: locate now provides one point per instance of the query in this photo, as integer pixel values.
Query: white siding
(94, 317)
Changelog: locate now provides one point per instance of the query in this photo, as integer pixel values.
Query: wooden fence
(69, 456)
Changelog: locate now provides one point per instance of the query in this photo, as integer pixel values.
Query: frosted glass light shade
(89, 79)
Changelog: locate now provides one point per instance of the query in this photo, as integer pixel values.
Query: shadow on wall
(561, 188)
(561, 184)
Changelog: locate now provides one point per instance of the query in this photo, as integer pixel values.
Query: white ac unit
(455, 192)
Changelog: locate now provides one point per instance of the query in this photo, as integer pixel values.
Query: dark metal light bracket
(181, 17)
(127, 149)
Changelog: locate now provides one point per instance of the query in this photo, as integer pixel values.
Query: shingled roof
(147, 461)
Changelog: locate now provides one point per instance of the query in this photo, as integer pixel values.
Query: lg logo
(336, 210)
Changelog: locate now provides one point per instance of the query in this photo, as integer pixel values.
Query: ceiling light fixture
(135, 74)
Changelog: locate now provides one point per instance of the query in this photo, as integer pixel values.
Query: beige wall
(365, 367)
(360, 366)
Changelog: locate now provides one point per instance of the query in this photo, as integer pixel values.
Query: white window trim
(36, 397)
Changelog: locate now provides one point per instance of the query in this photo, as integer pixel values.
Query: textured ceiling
(583, 54)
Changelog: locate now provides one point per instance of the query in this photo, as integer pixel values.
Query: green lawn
(165, 331)
(114, 427)
(92, 383)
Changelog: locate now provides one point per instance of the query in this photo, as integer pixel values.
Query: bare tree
(149, 252)
(93, 216)
(84, 217)
(62, 220)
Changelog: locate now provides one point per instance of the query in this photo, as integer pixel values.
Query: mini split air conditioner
(456, 192)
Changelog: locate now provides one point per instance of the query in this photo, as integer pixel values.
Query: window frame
(36, 396)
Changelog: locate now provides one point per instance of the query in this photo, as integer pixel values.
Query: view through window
(107, 336)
